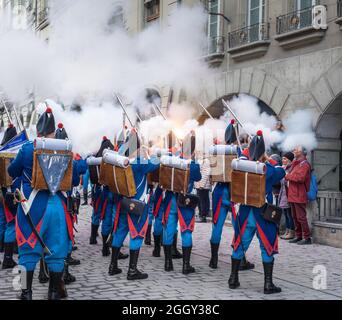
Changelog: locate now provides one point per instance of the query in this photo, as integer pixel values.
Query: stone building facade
(279, 52)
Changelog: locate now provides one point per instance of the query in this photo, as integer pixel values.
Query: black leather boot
(93, 234)
(168, 258)
(133, 272)
(148, 235)
(157, 246)
(67, 276)
(71, 261)
(234, 276)
(105, 246)
(43, 276)
(8, 262)
(187, 268)
(26, 292)
(113, 267)
(269, 287)
(214, 255)
(175, 253)
(246, 265)
(85, 198)
(57, 290)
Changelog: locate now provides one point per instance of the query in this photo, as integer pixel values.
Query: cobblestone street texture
(294, 272)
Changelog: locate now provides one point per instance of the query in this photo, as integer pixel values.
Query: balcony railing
(294, 20)
(329, 207)
(250, 34)
(339, 8)
(216, 45)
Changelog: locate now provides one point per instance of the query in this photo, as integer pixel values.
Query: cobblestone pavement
(294, 272)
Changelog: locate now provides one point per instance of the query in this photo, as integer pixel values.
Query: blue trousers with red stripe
(247, 237)
(54, 232)
(122, 230)
(158, 223)
(170, 228)
(10, 232)
(217, 228)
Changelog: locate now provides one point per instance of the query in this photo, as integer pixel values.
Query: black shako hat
(46, 123)
(230, 134)
(61, 134)
(257, 147)
(10, 133)
(106, 144)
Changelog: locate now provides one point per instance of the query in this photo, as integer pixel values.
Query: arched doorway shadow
(328, 155)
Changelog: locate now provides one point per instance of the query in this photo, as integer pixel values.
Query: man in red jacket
(298, 185)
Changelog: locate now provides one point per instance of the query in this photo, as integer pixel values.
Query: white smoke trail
(299, 131)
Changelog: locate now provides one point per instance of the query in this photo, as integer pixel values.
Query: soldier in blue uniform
(126, 222)
(49, 216)
(221, 206)
(251, 221)
(100, 198)
(185, 215)
(150, 214)
(8, 211)
(158, 212)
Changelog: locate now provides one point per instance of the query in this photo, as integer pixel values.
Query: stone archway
(327, 156)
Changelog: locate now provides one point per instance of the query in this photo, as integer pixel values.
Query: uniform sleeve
(152, 165)
(16, 167)
(195, 172)
(279, 174)
(75, 173)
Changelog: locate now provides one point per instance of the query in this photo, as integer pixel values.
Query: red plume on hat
(60, 126)
(48, 110)
(259, 133)
(11, 125)
(104, 138)
(232, 121)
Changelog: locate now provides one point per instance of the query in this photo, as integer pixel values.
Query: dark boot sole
(140, 277)
(113, 273)
(188, 271)
(247, 267)
(8, 266)
(234, 286)
(123, 257)
(156, 255)
(213, 266)
(69, 280)
(272, 291)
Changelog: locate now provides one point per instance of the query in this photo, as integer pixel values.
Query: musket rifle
(234, 115)
(205, 110)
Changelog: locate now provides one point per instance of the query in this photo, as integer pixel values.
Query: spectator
(298, 185)
(203, 187)
(283, 202)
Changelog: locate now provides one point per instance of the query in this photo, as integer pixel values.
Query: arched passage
(327, 156)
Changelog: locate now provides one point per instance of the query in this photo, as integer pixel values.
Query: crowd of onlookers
(290, 195)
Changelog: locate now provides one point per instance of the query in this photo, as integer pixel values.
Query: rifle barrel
(124, 109)
(206, 111)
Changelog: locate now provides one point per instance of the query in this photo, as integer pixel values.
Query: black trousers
(204, 202)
